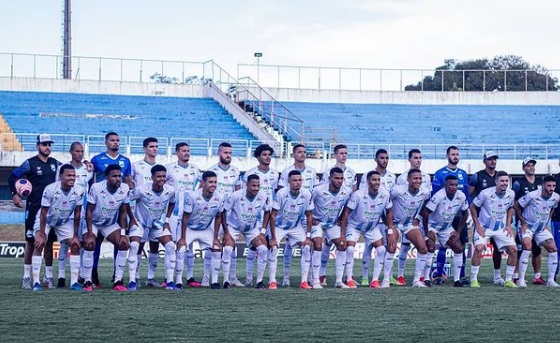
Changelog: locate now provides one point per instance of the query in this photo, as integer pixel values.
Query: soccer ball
(23, 187)
(438, 279)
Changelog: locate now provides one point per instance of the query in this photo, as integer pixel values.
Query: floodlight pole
(67, 41)
(258, 55)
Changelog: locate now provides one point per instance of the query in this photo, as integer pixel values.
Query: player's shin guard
(74, 268)
(340, 262)
(378, 262)
(132, 261)
(523, 263)
(87, 263)
(215, 264)
(207, 264)
(138, 265)
(316, 263)
(474, 272)
(457, 266)
(388, 265)
(305, 262)
(428, 266)
(226, 259)
(420, 265)
(250, 263)
(262, 256)
(36, 262)
(189, 262)
(233, 265)
(325, 255)
(509, 272)
(552, 265)
(463, 271)
(403, 255)
(179, 263)
(169, 261)
(153, 260)
(120, 264)
(62, 258)
(272, 264)
(440, 260)
(288, 259)
(366, 261)
(349, 262)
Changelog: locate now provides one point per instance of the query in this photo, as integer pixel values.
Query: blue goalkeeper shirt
(438, 181)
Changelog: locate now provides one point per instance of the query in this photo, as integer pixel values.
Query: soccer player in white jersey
(153, 201)
(534, 211)
(310, 180)
(228, 182)
(184, 177)
(361, 216)
(268, 184)
(388, 180)
(203, 207)
(438, 216)
(408, 201)
(495, 205)
(61, 201)
(291, 205)
(329, 201)
(141, 175)
(106, 215)
(243, 212)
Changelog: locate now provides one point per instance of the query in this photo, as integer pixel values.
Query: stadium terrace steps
(9, 141)
(93, 114)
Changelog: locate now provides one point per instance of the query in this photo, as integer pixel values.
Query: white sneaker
(317, 286)
(26, 283)
(235, 282)
(419, 284)
(205, 281)
(498, 281)
(286, 282)
(522, 284)
(552, 284)
(340, 285)
(385, 283)
(48, 282)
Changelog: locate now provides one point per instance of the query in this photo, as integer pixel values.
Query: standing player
(479, 181)
(40, 171)
(243, 211)
(228, 182)
(268, 184)
(534, 211)
(408, 201)
(522, 187)
(438, 217)
(291, 205)
(328, 202)
(106, 215)
(361, 216)
(153, 201)
(555, 222)
(203, 207)
(61, 201)
(310, 180)
(184, 177)
(492, 212)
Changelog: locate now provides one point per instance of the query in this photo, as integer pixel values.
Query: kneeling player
(61, 201)
(106, 215)
(534, 211)
(438, 215)
(243, 210)
(153, 201)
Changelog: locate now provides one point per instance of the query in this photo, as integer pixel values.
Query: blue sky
(357, 33)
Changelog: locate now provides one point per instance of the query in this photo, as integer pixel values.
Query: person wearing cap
(40, 170)
(521, 187)
(479, 181)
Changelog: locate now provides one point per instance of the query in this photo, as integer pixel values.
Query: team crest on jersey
(121, 163)
(53, 167)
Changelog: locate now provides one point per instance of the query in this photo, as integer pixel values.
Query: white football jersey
(227, 178)
(107, 204)
(244, 213)
(494, 208)
(268, 180)
(366, 209)
(151, 206)
(388, 181)
(309, 176)
(426, 179)
(291, 209)
(349, 176)
(536, 209)
(328, 206)
(183, 178)
(406, 205)
(444, 209)
(202, 211)
(61, 204)
(141, 173)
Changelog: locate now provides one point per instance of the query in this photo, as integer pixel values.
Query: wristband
(308, 235)
(123, 232)
(263, 230)
(389, 231)
(167, 220)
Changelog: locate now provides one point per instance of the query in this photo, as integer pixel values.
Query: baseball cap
(489, 154)
(528, 160)
(44, 138)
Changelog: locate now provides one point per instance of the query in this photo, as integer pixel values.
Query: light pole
(258, 55)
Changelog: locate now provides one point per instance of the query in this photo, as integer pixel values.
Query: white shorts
(370, 236)
(248, 235)
(294, 235)
(443, 235)
(404, 230)
(63, 232)
(330, 233)
(540, 237)
(205, 238)
(500, 237)
(105, 230)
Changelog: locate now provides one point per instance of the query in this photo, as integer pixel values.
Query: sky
(387, 34)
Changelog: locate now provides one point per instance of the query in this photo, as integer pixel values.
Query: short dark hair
(371, 173)
(297, 146)
(224, 145)
(293, 172)
(73, 145)
(109, 134)
(157, 168)
(549, 178)
(380, 151)
(263, 147)
(110, 168)
(501, 173)
(412, 152)
(338, 147)
(335, 170)
(179, 145)
(449, 148)
(149, 140)
(65, 167)
(451, 177)
(208, 174)
(412, 171)
(252, 177)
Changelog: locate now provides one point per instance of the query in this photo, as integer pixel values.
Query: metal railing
(377, 79)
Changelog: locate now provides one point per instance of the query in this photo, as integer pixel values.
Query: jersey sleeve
(389, 203)
(525, 200)
(283, 180)
(310, 205)
(127, 170)
(433, 203)
(473, 179)
(47, 197)
(267, 205)
(134, 194)
(479, 200)
(277, 203)
(92, 196)
(17, 173)
(228, 204)
(465, 205)
(189, 203)
(354, 200)
(436, 183)
(80, 197)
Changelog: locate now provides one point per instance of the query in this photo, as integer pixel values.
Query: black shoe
(95, 277)
(428, 283)
(260, 285)
(179, 286)
(81, 280)
(61, 283)
(457, 284)
(226, 285)
(215, 286)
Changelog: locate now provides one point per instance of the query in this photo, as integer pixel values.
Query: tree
(159, 78)
(507, 72)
